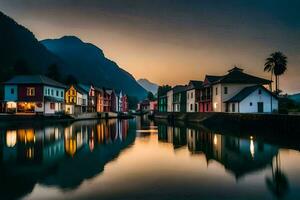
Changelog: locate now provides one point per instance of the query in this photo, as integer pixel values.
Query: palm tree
(277, 65)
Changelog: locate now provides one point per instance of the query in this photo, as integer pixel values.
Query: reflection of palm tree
(278, 184)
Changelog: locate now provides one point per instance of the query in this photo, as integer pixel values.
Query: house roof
(236, 75)
(246, 92)
(212, 79)
(80, 90)
(34, 79)
(193, 84)
(179, 88)
(84, 87)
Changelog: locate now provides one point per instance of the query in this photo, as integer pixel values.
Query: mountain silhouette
(19, 44)
(84, 61)
(87, 62)
(147, 85)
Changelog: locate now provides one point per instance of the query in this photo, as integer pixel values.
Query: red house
(205, 102)
(124, 103)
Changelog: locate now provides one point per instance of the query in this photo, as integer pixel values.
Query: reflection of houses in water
(31, 146)
(174, 135)
(238, 155)
(110, 131)
(41, 154)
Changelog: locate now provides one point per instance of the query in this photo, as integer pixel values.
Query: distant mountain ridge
(147, 85)
(88, 63)
(84, 61)
(295, 97)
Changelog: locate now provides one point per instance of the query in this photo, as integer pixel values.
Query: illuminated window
(30, 91)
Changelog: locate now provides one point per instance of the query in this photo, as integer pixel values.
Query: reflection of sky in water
(105, 161)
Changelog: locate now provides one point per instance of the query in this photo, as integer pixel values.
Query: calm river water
(138, 159)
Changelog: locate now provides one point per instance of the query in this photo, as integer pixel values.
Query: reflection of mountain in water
(62, 156)
(239, 156)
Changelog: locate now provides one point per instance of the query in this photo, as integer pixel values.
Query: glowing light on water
(11, 138)
(252, 151)
(215, 140)
(147, 131)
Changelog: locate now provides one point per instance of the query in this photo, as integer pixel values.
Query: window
(52, 106)
(52, 92)
(30, 91)
(62, 94)
(188, 95)
(48, 92)
(192, 95)
(57, 93)
(259, 91)
(251, 104)
(233, 107)
(216, 91)
(12, 90)
(191, 107)
(225, 90)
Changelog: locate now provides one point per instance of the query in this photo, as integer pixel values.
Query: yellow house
(71, 95)
(76, 100)
(71, 99)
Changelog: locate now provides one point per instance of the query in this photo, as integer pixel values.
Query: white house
(193, 96)
(170, 101)
(232, 85)
(253, 99)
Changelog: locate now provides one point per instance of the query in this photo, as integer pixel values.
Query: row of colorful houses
(40, 94)
(235, 92)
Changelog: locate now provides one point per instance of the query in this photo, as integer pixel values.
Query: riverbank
(62, 117)
(275, 123)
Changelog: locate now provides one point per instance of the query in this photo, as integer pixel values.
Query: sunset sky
(173, 41)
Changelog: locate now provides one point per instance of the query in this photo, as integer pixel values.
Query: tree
(162, 90)
(150, 96)
(21, 67)
(71, 80)
(277, 65)
(53, 72)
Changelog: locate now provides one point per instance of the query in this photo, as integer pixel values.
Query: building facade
(179, 98)
(162, 103)
(76, 100)
(170, 101)
(231, 85)
(193, 96)
(34, 94)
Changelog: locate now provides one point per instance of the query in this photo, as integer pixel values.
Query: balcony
(205, 98)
